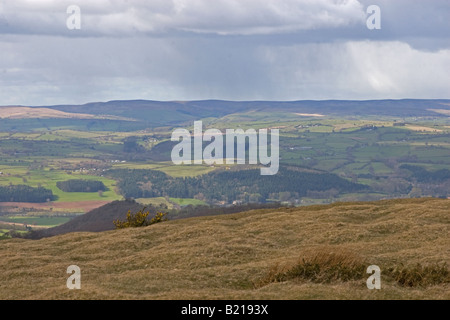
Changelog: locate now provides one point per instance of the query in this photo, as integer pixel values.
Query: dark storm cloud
(226, 49)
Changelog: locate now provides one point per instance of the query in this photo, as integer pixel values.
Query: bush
(139, 219)
(5, 236)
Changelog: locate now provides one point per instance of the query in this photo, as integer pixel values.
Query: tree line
(80, 185)
(228, 185)
(423, 175)
(23, 193)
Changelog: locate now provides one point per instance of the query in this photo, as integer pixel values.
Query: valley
(381, 152)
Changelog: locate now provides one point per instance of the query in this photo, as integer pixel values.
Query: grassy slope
(221, 257)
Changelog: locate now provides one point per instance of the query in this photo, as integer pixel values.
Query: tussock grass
(328, 264)
(322, 265)
(419, 275)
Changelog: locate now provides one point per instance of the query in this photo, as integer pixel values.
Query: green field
(349, 146)
(170, 202)
(38, 221)
(158, 201)
(48, 178)
(169, 168)
(186, 202)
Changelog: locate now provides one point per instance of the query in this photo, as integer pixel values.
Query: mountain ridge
(160, 113)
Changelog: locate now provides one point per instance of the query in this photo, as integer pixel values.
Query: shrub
(5, 236)
(139, 219)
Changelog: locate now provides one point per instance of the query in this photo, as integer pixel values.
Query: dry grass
(222, 257)
(441, 111)
(15, 112)
(310, 114)
(27, 112)
(422, 128)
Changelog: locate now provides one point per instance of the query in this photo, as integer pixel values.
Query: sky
(166, 50)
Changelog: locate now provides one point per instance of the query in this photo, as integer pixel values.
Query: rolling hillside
(129, 115)
(174, 111)
(234, 256)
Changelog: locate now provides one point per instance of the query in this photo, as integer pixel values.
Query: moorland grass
(223, 257)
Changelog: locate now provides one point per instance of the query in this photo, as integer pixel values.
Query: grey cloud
(226, 17)
(424, 25)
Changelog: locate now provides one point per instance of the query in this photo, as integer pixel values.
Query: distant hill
(99, 219)
(315, 252)
(188, 110)
(139, 114)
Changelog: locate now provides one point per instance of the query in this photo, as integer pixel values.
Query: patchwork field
(362, 142)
